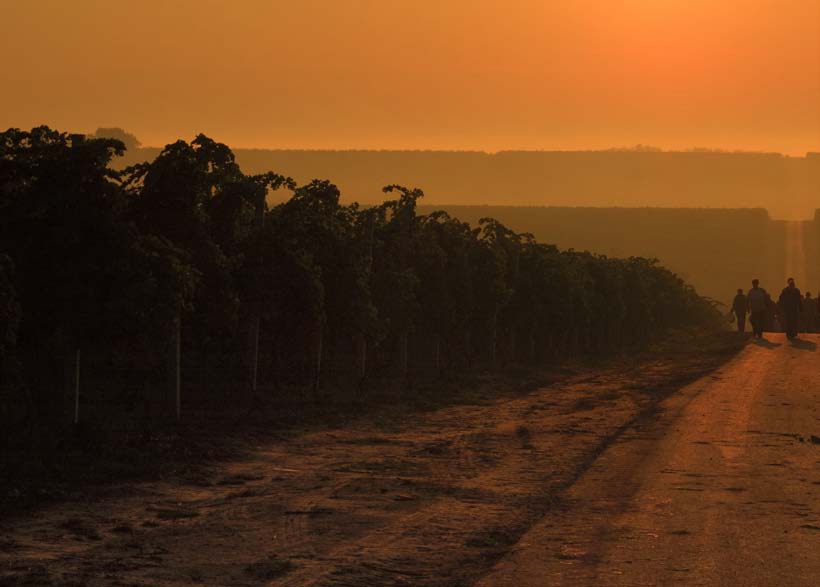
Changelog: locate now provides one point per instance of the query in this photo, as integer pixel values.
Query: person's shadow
(803, 345)
(766, 343)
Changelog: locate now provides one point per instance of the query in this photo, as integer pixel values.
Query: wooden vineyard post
(173, 362)
(254, 358)
(77, 387)
(177, 367)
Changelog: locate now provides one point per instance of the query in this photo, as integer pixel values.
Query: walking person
(757, 308)
(791, 305)
(740, 306)
(772, 322)
(808, 318)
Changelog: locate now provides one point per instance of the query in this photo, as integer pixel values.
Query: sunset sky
(420, 74)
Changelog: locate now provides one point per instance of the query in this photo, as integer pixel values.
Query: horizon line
(639, 149)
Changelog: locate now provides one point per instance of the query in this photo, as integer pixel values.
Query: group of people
(792, 313)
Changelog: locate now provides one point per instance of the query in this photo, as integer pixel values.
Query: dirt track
(722, 489)
(436, 499)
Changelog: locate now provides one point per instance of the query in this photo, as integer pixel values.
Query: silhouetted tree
(183, 251)
(395, 282)
(128, 140)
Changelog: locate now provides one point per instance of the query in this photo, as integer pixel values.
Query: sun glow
(476, 74)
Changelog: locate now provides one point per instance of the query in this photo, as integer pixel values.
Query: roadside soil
(432, 498)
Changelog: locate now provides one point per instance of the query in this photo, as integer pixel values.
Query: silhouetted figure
(757, 308)
(772, 322)
(791, 305)
(740, 306)
(808, 318)
(817, 309)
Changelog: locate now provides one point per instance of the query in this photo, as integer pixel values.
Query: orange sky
(421, 74)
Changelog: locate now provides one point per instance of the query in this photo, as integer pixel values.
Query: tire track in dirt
(434, 500)
(719, 489)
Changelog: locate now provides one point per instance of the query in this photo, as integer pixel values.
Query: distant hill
(788, 187)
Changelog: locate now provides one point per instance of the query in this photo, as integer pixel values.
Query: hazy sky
(437, 74)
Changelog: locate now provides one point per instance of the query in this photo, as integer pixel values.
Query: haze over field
(788, 187)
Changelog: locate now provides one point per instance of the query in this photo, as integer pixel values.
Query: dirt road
(664, 472)
(723, 488)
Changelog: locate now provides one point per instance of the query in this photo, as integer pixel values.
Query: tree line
(180, 262)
